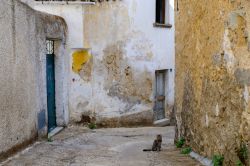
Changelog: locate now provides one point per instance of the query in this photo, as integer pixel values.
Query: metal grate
(49, 47)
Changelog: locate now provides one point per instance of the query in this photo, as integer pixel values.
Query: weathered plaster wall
(126, 50)
(212, 76)
(114, 52)
(23, 102)
(72, 14)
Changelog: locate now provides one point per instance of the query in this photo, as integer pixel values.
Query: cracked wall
(125, 54)
(212, 76)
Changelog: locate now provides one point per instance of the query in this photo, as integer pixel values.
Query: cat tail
(147, 150)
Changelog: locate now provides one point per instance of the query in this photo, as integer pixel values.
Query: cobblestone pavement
(79, 146)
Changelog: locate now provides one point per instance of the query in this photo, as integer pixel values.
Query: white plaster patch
(207, 120)
(228, 54)
(217, 110)
(246, 94)
(233, 22)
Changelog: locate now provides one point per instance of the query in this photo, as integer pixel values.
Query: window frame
(162, 14)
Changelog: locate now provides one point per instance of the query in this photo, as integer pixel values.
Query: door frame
(51, 52)
(163, 97)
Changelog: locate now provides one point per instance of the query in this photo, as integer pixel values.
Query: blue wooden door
(51, 104)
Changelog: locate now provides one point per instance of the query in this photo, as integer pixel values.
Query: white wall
(73, 15)
(23, 104)
(127, 27)
(162, 39)
(62, 51)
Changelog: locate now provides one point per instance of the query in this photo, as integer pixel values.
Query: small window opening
(162, 14)
(160, 11)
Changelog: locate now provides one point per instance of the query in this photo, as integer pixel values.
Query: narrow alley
(79, 146)
(95, 82)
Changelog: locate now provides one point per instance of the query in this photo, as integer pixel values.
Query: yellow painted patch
(79, 59)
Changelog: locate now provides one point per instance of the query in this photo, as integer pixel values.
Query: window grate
(50, 46)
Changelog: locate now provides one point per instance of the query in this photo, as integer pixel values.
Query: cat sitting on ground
(156, 145)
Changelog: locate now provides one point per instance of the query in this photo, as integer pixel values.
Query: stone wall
(23, 33)
(212, 76)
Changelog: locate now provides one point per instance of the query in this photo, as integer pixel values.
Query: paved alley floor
(79, 146)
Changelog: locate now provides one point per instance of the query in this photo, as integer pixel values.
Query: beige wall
(22, 72)
(213, 76)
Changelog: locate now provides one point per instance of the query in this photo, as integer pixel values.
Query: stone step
(162, 122)
(55, 131)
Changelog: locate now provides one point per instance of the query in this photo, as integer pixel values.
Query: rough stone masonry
(212, 76)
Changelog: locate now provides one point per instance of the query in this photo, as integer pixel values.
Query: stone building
(23, 95)
(111, 62)
(212, 77)
(121, 56)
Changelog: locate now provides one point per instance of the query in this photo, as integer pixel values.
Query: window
(162, 13)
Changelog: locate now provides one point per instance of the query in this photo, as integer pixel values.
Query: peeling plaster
(246, 94)
(79, 59)
(228, 52)
(217, 110)
(118, 77)
(207, 120)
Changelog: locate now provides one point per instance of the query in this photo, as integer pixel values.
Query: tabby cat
(156, 145)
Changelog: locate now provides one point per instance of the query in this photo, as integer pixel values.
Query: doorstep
(162, 122)
(55, 131)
